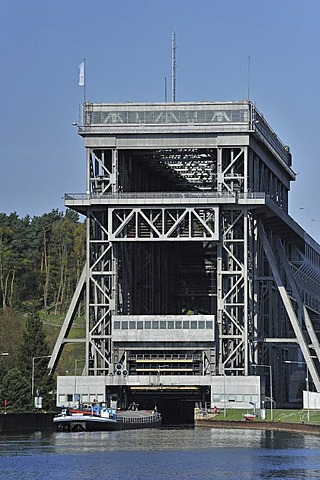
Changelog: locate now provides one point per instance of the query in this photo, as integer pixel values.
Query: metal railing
(165, 195)
(141, 419)
(227, 116)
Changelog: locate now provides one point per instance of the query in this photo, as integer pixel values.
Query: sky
(127, 47)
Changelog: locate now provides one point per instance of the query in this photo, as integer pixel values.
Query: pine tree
(15, 389)
(3, 371)
(34, 357)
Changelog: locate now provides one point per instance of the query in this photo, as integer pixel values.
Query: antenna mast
(249, 78)
(173, 67)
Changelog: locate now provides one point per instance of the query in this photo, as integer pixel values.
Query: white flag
(81, 74)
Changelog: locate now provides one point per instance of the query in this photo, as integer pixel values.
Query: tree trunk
(13, 275)
(45, 269)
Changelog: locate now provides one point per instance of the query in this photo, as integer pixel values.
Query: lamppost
(75, 378)
(4, 354)
(32, 372)
(224, 393)
(307, 384)
(271, 392)
(75, 364)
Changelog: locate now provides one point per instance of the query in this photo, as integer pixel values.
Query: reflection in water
(179, 454)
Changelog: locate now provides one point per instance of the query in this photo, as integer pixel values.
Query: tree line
(41, 259)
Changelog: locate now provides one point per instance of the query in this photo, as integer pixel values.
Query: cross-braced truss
(164, 224)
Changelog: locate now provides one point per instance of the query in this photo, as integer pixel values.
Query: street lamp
(75, 378)
(271, 392)
(32, 372)
(75, 364)
(307, 384)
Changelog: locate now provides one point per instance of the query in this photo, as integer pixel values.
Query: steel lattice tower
(195, 270)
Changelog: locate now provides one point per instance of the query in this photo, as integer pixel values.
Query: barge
(106, 420)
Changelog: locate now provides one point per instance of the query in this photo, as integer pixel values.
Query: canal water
(175, 454)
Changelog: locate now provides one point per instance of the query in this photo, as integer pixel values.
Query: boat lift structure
(195, 270)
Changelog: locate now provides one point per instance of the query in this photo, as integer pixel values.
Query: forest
(41, 259)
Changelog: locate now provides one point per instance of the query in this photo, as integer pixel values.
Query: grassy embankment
(279, 415)
(71, 352)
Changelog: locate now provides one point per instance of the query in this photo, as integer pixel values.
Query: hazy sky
(127, 46)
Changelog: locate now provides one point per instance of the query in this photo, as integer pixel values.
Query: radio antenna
(173, 66)
(249, 68)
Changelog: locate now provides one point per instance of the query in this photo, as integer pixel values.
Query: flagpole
(84, 81)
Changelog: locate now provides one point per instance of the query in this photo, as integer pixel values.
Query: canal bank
(12, 423)
(26, 422)
(259, 425)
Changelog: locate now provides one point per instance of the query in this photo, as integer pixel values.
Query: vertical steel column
(232, 265)
(113, 254)
(114, 171)
(257, 297)
(247, 252)
(88, 263)
(219, 346)
(245, 291)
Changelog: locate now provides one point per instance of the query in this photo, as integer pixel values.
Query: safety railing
(140, 419)
(165, 195)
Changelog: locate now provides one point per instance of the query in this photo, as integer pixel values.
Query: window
(139, 325)
(239, 398)
(171, 324)
(201, 323)
(155, 324)
(186, 325)
(132, 325)
(194, 324)
(209, 324)
(69, 398)
(147, 324)
(124, 325)
(116, 325)
(178, 324)
(163, 324)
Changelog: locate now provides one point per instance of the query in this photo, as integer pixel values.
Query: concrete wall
(226, 392)
(314, 400)
(89, 387)
(26, 422)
